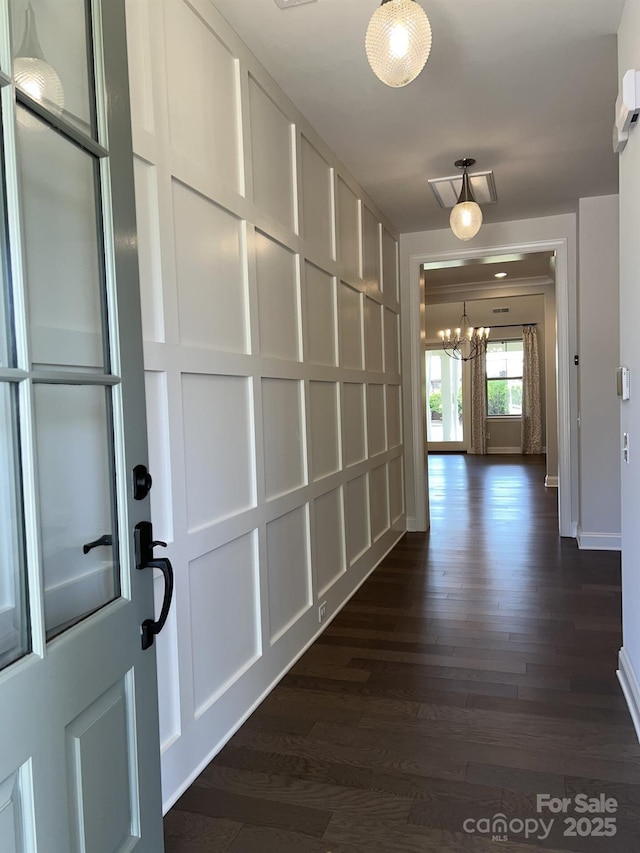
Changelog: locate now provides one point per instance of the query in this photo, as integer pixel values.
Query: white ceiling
(527, 87)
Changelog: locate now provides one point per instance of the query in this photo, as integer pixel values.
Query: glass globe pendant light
(398, 41)
(466, 216)
(33, 74)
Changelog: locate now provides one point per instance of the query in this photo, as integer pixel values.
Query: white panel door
(79, 743)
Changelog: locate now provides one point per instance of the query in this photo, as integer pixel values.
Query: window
(504, 379)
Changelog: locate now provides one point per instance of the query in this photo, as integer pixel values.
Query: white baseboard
(411, 524)
(551, 482)
(504, 451)
(630, 688)
(588, 541)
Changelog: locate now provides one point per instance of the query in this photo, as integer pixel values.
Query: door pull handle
(151, 627)
(144, 545)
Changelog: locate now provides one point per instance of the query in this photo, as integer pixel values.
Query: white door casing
(79, 756)
(414, 374)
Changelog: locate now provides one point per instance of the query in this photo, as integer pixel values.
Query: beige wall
(599, 350)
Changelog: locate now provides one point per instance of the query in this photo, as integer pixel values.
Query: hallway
(474, 670)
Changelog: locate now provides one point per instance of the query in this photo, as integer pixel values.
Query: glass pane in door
(14, 620)
(51, 62)
(65, 281)
(444, 397)
(75, 472)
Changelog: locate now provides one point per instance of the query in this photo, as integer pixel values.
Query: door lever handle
(105, 540)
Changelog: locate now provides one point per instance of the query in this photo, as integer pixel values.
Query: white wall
(629, 57)
(424, 246)
(598, 347)
(271, 322)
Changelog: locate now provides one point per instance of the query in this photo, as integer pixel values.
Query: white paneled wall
(271, 324)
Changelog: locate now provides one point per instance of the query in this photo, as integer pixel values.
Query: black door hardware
(98, 543)
(142, 482)
(144, 545)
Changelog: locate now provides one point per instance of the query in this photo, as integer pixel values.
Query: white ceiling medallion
(286, 4)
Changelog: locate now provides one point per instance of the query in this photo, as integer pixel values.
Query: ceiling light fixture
(33, 74)
(465, 342)
(500, 275)
(466, 216)
(398, 41)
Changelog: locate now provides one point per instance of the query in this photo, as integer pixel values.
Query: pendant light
(398, 41)
(466, 216)
(33, 74)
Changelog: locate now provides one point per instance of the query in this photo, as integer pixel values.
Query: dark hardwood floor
(474, 670)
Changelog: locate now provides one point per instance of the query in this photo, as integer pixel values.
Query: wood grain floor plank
(255, 810)
(310, 793)
(384, 836)
(358, 749)
(516, 779)
(259, 839)
(553, 710)
(185, 832)
(483, 671)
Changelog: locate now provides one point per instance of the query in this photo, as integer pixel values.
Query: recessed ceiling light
(501, 275)
(285, 4)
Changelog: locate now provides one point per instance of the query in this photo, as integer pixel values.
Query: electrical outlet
(322, 611)
(625, 447)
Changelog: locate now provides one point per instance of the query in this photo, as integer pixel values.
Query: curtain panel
(531, 422)
(479, 405)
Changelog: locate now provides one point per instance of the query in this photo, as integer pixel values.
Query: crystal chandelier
(466, 216)
(398, 41)
(465, 342)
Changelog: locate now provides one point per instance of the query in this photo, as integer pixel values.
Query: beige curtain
(531, 423)
(479, 405)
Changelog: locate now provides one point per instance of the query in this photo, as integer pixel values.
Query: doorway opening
(534, 270)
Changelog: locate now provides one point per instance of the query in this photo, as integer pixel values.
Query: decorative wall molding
(271, 319)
